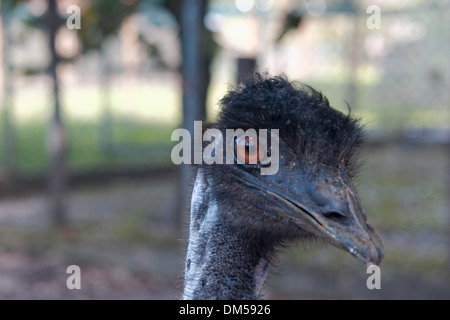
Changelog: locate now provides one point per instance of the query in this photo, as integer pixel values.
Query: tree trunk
(106, 121)
(246, 67)
(205, 42)
(354, 56)
(193, 109)
(8, 130)
(207, 52)
(56, 137)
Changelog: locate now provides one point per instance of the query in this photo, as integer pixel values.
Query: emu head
(312, 194)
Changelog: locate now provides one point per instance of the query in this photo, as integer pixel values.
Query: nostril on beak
(337, 217)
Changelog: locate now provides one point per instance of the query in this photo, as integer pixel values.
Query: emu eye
(246, 149)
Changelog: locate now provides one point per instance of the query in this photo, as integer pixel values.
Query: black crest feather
(311, 129)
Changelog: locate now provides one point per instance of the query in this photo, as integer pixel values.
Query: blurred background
(86, 116)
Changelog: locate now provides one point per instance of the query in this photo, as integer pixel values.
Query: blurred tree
(198, 51)
(193, 109)
(207, 46)
(292, 20)
(56, 136)
(355, 49)
(56, 141)
(102, 19)
(8, 130)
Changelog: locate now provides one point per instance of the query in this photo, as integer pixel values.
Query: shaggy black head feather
(309, 127)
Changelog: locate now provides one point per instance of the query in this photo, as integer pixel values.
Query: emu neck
(220, 262)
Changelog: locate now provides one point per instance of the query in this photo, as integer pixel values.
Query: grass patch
(128, 144)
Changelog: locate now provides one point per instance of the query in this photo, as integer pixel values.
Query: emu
(239, 218)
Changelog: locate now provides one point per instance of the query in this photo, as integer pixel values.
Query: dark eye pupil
(249, 145)
(246, 149)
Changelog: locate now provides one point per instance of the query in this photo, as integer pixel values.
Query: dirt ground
(120, 237)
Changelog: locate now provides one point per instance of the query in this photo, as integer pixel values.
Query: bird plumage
(239, 217)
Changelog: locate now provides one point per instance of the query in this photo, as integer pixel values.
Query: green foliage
(103, 18)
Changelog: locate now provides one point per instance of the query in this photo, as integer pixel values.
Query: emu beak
(345, 228)
(349, 230)
(327, 206)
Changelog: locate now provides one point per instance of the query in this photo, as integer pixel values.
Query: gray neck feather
(220, 263)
